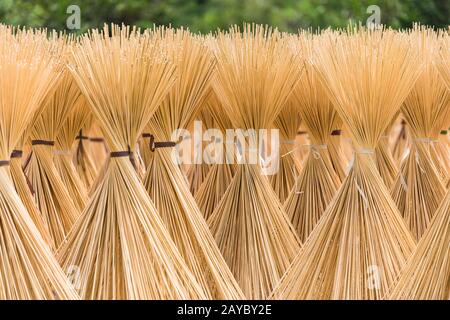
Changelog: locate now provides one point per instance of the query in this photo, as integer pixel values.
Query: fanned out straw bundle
(359, 246)
(197, 172)
(63, 155)
(427, 275)
(119, 245)
(288, 123)
(28, 270)
(318, 182)
(253, 83)
(419, 188)
(52, 196)
(165, 181)
(25, 191)
(219, 176)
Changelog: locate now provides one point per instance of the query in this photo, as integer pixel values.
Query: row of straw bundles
(96, 196)
(28, 269)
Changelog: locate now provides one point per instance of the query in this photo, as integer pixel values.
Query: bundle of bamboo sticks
(97, 201)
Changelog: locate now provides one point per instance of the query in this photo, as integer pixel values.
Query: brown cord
(4, 163)
(444, 132)
(301, 132)
(127, 153)
(16, 154)
(160, 144)
(81, 137)
(42, 142)
(336, 132)
(96, 139)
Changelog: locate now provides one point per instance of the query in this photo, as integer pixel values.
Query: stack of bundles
(359, 246)
(256, 74)
(221, 172)
(318, 182)
(63, 155)
(83, 159)
(28, 268)
(419, 189)
(52, 196)
(119, 245)
(335, 148)
(385, 161)
(427, 274)
(401, 143)
(198, 170)
(288, 123)
(165, 181)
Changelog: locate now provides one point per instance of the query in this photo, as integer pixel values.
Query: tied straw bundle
(52, 196)
(63, 155)
(419, 189)
(198, 171)
(83, 156)
(165, 181)
(28, 270)
(119, 245)
(256, 73)
(427, 274)
(359, 246)
(26, 193)
(287, 123)
(219, 176)
(318, 181)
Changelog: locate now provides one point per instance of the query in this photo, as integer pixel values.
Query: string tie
(38, 142)
(158, 144)
(16, 154)
(336, 132)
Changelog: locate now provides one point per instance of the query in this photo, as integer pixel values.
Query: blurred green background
(207, 15)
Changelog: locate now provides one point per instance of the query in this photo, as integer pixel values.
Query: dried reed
(256, 74)
(287, 122)
(28, 269)
(165, 181)
(318, 182)
(63, 155)
(198, 171)
(219, 176)
(419, 188)
(52, 196)
(119, 246)
(360, 244)
(427, 274)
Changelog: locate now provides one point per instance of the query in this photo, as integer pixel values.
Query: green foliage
(208, 15)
